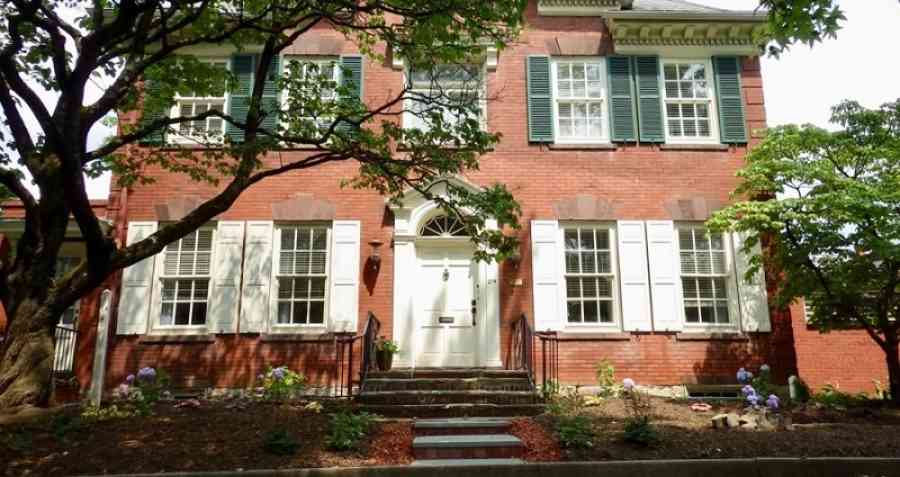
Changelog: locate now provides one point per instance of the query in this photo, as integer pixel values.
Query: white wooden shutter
(633, 276)
(665, 276)
(257, 278)
(137, 285)
(343, 304)
(226, 279)
(752, 296)
(546, 252)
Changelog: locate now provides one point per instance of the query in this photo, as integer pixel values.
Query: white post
(95, 393)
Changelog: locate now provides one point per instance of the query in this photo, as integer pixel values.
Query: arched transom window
(444, 226)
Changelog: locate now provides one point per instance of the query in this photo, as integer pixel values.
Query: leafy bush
(143, 390)
(348, 429)
(575, 432)
(280, 442)
(100, 414)
(386, 345)
(606, 380)
(567, 403)
(831, 396)
(549, 390)
(281, 384)
(639, 430)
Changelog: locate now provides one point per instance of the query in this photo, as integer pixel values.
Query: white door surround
(423, 340)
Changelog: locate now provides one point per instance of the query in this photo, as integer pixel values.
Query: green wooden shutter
(158, 137)
(540, 100)
(271, 98)
(732, 123)
(621, 99)
(650, 118)
(351, 79)
(242, 67)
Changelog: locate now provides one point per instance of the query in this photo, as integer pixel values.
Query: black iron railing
(66, 337)
(523, 354)
(344, 359)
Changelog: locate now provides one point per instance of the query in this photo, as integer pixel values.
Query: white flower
(628, 384)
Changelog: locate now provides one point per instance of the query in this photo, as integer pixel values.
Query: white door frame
(409, 216)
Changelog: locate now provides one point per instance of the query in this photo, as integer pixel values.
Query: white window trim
(175, 138)
(298, 328)
(408, 117)
(734, 312)
(155, 328)
(556, 60)
(616, 307)
(285, 59)
(714, 137)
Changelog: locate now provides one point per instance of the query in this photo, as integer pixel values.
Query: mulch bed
(211, 437)
(685, 434)
(540, 443)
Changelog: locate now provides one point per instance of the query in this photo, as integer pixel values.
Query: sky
(801, 86)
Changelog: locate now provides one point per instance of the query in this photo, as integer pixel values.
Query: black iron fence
(523, 354)
(344, 359)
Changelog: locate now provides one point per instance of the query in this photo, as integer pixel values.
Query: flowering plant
(744, 376)
(144, 389)
(281, 383)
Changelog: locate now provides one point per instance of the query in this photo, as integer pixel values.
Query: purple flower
(748, 391)
(129, 379)
(278, 373)
(773, 402)
(744, 376)
(147, 374)
(753, 399)
(628, 384)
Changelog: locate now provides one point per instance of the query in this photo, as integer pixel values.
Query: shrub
(567, 403)
(143, 390)
(280, 442)
(550, 390)
(100, 414)
(281, 384)
(831, 396)
(639, 430)
(387, 346)
(348, 429)
(575, 432)
(606, 380)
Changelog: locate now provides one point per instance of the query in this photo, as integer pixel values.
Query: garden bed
(213, 436)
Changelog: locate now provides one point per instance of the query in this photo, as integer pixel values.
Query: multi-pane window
(580, 88)
(688, 101)
(64, 265)
(589, 275)
(453, 91)
(317, 77)
(704, 276)
(185, 280)
(302, 277)
(189, 103)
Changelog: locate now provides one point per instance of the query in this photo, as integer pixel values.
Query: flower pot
(384, 360)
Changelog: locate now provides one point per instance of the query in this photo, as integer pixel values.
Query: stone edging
(769, 467)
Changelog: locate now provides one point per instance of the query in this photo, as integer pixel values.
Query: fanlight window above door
(444, 226)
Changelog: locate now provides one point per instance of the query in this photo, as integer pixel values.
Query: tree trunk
(26, 365)
(892, 351)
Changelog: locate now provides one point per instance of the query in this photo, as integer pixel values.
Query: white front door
(445, 307)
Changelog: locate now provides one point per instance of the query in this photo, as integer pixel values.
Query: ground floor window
(589, 275)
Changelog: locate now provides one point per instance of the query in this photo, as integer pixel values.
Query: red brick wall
(850, 359)
(638, 179)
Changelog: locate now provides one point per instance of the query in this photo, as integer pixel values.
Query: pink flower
(628, 384)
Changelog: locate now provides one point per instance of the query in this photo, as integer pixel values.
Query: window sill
(707, 336)
(299, 336)
(583, 147)
(593, 336)
(694, 147)
(406, 148)
(175, 338)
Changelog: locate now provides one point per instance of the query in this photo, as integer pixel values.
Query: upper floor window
(579, 88)
(688, 102)
(185, 280)
(589, 275)
(189, 103)
(302, 275)
(704, 276)
(321, 76)
(454, 91)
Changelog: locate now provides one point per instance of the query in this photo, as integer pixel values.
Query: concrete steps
(452, 410)
(448, 397)
(467, 441)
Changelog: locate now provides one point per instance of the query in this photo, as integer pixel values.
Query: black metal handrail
(344, 363)
(522, 356)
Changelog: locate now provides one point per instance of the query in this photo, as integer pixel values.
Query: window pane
(317, 288)
(588, 262)
(593, 72)
(722, 313)
(316, 312)
(300, 312)
(167, 315)
(563, 71)
(670, 72)
(605, 311)
(603, 262)
(182, 313)
(573, 287)
(707, 313)
(590, 312)
(589, 287)
(574, 312)
(199, 314)
(572, 262)
(689, 285)
(688, 262)
(604, 288)
(301, 288)
(675, 128)
(672, 89)
(284, 312)
(691, 312)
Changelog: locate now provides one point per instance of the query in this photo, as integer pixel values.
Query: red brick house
(623, 126)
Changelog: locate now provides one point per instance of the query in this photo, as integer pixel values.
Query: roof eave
(736, 16)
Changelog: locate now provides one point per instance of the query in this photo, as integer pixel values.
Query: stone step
(463, 462)
(460, 426)
(483, 446)
(452, 410)
(449, 384)
(447, 373)
(448, 397)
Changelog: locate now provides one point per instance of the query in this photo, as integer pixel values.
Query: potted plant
(384, 353)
